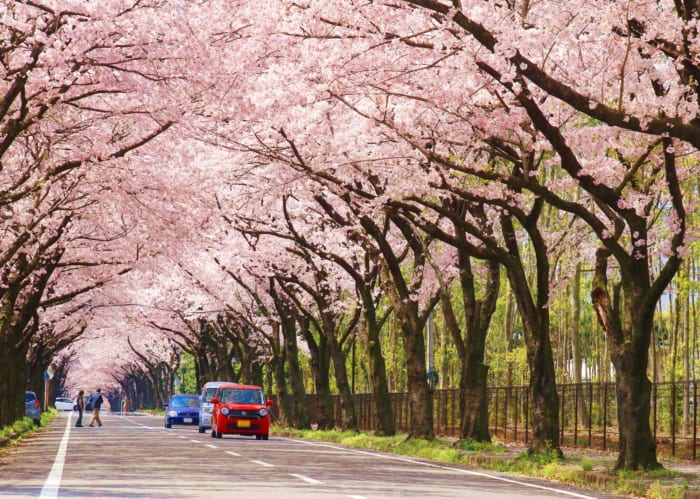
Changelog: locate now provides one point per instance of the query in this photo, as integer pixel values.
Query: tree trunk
(474, 402)
(386, 426)
(637, 448)
(629, 342)
(283, 402)
(348, 418)
(300, 408)
(12, 384)
(420, 395)
(543, 388)
(576, 343)
(320, 370)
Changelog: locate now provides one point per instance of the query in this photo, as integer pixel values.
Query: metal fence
(587, 412)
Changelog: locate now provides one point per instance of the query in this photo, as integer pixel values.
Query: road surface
(136, 457)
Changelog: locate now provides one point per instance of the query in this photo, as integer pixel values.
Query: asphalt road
(136, 457)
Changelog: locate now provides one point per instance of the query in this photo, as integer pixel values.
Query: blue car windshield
(242, 396)
(184, 402)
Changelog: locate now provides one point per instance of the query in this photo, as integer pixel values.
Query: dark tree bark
(629, 347)
(288, 320)
(401, 290)
(320, 369)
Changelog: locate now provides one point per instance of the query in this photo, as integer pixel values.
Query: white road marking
(262, 463)
(211, 446)
(357, 497)
(196, 441)
(233, 453)
(305, 478)
(466, 472)
(53, 481)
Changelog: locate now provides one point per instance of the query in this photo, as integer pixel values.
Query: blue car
(183, 409)
(32, 409)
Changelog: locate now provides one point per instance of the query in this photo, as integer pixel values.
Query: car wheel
(265, 437)
(201, 429)
(168, 425)
(258, 437)
(37, 422)
(213, 434)
(219, 434)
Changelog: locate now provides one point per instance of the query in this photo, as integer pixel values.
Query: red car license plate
(243, 423)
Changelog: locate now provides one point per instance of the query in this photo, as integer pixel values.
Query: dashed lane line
(305, 478)
(450, 468)
(262, 463)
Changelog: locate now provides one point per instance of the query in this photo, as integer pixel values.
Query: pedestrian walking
(80, 402)
(96, 402)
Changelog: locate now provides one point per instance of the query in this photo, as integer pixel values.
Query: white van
(205, 407)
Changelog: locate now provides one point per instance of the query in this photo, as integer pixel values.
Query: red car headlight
(224, 411)
(263, 412)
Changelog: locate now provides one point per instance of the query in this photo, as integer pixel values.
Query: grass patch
(654, 484)
(20, 426)
(11, 434)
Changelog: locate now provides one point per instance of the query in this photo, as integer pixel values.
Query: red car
(240, 410)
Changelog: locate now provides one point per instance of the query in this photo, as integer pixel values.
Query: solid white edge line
(262, 463)
(53, 481)
(305, 478)
(467, 472)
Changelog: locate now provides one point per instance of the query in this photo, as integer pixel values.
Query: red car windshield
(241, 396)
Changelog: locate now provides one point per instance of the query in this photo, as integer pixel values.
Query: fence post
(495, 424)
(527, 414)
(561, 428)
(695, 417)
(673, 419)
(590, 414)
(655, 408)
(515, 423)
(605, 415)
(576, 388)
(505, 412)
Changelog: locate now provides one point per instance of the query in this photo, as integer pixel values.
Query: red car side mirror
(214, 400)
(269, 402)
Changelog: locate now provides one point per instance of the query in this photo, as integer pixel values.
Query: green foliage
(20, 426)
(587, 464)
(186, 374)
(655, 484)
(474, 446)
(659, 491)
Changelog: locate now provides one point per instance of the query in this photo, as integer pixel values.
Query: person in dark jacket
(80, 402)
(96, 403)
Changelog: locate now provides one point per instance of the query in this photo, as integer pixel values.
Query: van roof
(209, 384)
(238, 385)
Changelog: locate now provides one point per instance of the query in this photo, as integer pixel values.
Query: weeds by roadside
(11, 434)
(589, 471)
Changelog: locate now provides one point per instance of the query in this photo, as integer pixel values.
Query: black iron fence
(588, 415)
